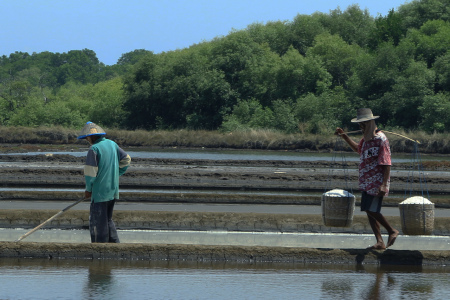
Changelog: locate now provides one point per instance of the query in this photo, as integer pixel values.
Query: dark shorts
(371, 203)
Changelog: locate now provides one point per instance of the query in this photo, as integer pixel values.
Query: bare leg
(377, 231)
(380, 219)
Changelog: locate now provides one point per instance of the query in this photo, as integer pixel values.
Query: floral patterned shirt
(373, 155)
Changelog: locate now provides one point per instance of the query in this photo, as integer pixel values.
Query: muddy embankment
(201, 221)
(198, 181)
(214, 254)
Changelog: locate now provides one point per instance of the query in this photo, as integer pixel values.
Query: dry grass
(429, 143)
(251, 139)
(43, 135)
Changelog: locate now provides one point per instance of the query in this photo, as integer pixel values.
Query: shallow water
(266, 239)
(169, 191)
(103, 279)
(211, 154)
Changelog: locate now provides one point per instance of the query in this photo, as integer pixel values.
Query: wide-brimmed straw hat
(364, 114)
(91, 129)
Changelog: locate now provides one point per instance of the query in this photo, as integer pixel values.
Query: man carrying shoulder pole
(105, 162)
(374, 173)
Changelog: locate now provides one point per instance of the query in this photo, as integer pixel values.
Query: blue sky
(113, 27)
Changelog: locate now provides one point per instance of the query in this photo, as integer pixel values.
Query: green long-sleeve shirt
(105, 162)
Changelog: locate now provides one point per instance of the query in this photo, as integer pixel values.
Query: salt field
(267, 239)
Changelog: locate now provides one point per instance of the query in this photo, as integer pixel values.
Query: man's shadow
(387, 257)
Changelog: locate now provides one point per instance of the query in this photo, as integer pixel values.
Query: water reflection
(382, 282)
(410, 282)
(116, 279)
(337, 288)
(376, 289)
(379, 285)
(100, 280)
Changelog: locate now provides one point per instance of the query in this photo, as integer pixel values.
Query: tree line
(309, 74)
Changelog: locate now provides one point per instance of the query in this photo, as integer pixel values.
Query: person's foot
(378, 246)
(392, 238)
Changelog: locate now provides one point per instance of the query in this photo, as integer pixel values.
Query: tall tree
(418, 12)
(79, 66)
(338, 57)
(387, 29)
(408, 93)
(353, 25)
(431, 40)
(304, 30)
(435, 112)
(298, 75)
(275, 34)
(442, 70)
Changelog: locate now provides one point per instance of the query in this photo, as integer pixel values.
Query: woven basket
(417, 218)
(338, 211)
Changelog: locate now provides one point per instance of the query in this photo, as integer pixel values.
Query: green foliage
(38, 113)
(418, 12)
(442, 70)
(176, 90)
(322, 113)
(309, 75)
(78, 66)
(257, 79)
(60, 89)
(128, 60)
(353, 25)
(407, 94)
(387, 29)
(274, 34)
(233, 55)
(431, 40)
(107, 100)
(374, 75)
(76, 96)
(247, 115)
(284, 117)
(298, 75)
(338, 57)
(436, 112)
(204, 108)
(304, 30)
(133, 57)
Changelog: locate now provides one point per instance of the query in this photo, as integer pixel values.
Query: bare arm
(386, 174)
(347, 139)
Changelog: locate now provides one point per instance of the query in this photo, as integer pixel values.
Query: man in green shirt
(105, 162)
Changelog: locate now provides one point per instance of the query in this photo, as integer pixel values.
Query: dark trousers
(101, 225)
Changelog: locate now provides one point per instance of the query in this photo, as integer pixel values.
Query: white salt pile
(338, 193)
(416, 200)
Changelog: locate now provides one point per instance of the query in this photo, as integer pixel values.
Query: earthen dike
(209, 177)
